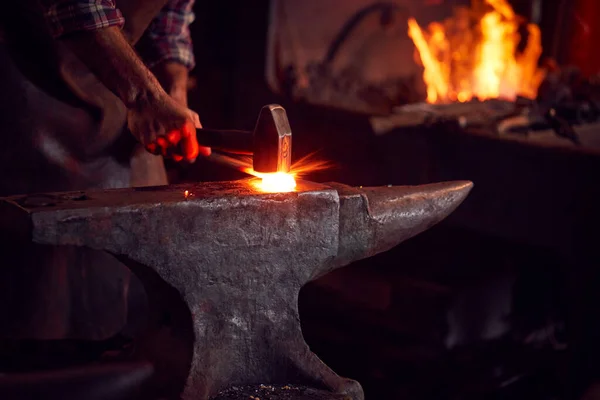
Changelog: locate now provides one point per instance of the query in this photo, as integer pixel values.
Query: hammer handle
(229, 141)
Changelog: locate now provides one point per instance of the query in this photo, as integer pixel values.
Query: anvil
(223, 265)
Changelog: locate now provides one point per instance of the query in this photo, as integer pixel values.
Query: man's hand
(173, 77)
(166, 127)
(159, 122)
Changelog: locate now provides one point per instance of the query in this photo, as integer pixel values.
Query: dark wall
(230, 44)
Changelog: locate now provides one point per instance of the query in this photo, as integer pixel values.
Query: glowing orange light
(278, 182)
(435, 74)
(463, 61)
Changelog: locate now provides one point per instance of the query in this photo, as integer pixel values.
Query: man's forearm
(173, 77)
(112, 59)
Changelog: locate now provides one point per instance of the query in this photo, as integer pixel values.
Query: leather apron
(62, 130)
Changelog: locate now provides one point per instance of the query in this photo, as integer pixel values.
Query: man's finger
(172, 152)
(196, 120)
(163, 144)
(189, 143)
(204, 151)
(153, 148)
(174, 137)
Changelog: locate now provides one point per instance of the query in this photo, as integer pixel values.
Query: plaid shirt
(168, 33)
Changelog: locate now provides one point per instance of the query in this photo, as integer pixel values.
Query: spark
(278, 182)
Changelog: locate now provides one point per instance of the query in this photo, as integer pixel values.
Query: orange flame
(462, 62)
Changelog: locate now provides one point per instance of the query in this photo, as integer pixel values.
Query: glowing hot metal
(278, 182)
(286, 182)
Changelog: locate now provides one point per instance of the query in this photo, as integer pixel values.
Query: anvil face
(231, 262)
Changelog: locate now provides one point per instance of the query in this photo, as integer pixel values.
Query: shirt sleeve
(67, 16)
(168, 36)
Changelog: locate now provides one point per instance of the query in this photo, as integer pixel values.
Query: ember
(475, 54)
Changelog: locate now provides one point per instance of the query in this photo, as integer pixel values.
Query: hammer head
(272, 141)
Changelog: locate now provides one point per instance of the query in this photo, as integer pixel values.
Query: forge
(223, 264)
(483, 71)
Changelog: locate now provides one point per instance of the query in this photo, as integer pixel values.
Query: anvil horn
(227, 263)
(376, 219)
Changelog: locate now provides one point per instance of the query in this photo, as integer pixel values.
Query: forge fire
(479, 53)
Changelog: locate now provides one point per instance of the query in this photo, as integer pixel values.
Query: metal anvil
(223, 265)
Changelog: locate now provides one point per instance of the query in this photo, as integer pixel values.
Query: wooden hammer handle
(229, 141)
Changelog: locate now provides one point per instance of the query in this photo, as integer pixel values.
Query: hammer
(270, 143)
